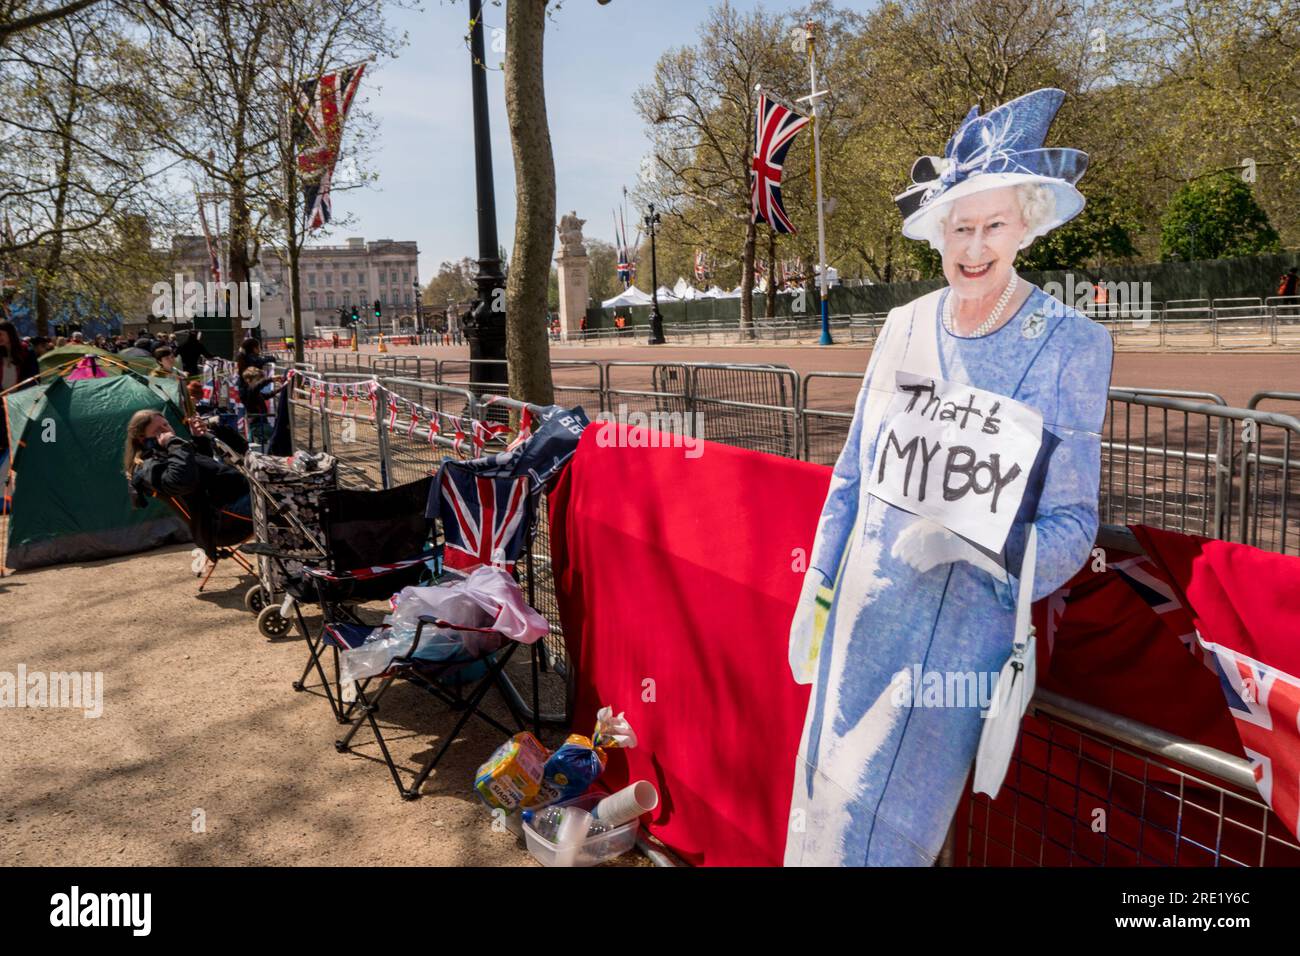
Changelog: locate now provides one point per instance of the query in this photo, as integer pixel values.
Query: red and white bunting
(484, 433)
(525, 428)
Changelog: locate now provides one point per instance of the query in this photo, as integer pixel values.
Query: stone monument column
(574, 274)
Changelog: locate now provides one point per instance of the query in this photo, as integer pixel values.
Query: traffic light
(378, 311)
(354, 315)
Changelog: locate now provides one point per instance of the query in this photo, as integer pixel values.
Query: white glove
(925, 544)
(805, 642)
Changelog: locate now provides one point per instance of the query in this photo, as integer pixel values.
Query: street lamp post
(419, 326)
(485, 325)
(656, 320)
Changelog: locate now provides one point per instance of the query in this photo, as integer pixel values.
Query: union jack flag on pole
(322, 107)
(774, 130)
(701, 267)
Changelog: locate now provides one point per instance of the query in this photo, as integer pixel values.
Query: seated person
(157, 459)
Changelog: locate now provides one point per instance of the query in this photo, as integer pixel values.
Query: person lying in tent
(157, 460)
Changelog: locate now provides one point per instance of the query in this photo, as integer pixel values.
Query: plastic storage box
(540, 831)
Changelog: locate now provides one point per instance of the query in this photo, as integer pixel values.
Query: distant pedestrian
(1287, 284)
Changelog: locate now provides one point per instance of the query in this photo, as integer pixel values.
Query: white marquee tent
(629, 296)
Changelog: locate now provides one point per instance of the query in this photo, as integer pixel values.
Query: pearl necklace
(995, 317)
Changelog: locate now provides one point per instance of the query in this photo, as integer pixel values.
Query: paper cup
(628, 804)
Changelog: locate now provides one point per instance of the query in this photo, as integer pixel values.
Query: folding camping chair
(232, 530)
(375, 544)
(432, 676)
(499, 532)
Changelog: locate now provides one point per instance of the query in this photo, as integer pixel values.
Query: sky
(596, 57)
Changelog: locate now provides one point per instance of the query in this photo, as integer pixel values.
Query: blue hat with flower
(1004, 147)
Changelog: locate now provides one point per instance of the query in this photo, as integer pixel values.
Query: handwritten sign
(957, 455)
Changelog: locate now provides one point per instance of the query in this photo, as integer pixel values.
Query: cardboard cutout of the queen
(979, 418)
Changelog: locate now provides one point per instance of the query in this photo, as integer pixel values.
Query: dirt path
(199, 718)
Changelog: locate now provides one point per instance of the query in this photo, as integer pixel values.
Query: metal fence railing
(1088, 788)
(1182, 460)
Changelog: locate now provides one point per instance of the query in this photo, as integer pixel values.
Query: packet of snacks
(576, 764)
(512, 776)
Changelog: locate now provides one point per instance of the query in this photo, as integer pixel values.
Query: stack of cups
(626, 805)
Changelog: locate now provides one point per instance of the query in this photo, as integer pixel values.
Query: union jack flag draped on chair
(322, 107)
(774, 130)
(486, 506)
(485, 519)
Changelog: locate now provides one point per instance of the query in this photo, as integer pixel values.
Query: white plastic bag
(487, 598)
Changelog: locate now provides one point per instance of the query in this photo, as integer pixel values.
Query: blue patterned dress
(876, 782)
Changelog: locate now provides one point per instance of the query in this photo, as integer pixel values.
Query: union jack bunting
(484, 519)
(774, 130)
(322, 107)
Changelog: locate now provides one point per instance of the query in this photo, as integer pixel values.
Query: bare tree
(17, 16)
(700, 107)
(72, 170)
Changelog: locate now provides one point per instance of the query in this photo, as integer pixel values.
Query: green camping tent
(71, 501)
(68, 355)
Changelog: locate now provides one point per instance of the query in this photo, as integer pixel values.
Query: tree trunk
(747, 281)
(288, 161)
(769, 310)
(238, 244)
(527, 347)
(54, 257)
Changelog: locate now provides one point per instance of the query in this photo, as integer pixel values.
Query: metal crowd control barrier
(1242, 322)
(1088, 788)
(1200, 468)
(747, 406)
(824, 430)
(1285, 312)
(661, 388)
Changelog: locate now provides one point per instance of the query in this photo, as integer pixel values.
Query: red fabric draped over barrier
(677, 578)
